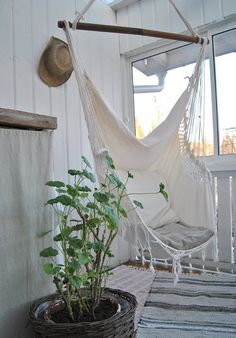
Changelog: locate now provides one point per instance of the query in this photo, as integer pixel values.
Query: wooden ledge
(24, 120)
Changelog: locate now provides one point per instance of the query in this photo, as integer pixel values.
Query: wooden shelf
(24, 120)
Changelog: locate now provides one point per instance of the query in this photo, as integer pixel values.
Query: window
(225, 69)
(159, 78)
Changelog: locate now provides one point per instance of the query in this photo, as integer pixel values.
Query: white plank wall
(160, 15)
(26, 26)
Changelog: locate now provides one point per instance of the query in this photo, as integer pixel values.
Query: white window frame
(216, 162)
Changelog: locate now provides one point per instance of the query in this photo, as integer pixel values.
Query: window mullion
(214, 98)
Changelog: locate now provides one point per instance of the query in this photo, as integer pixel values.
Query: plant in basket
(88, 221)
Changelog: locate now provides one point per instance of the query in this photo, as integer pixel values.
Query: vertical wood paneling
(134, 20)
(6, 56)
(176, 24)
(162, 15)
(122, 20)
(193, 12)
(39, 41)
(165, 18)
(23, 55)
(224, 219)
(148, 20)
(228, 7)
(57, 97)
(212, 10)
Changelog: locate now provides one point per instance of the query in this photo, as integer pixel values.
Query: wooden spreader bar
(134, 31)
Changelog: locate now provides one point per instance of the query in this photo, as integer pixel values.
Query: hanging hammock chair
(186, 222)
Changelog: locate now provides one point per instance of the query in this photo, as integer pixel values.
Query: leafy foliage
(85, 240)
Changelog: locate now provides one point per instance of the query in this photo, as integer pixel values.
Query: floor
(134, 279)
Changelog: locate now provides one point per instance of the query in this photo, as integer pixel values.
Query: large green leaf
(84, 188)
(76, 242)
(101, 197)
(48, 268)
(56, 184)
(130, 175)
(75, 281)
(93, 222)
(138, 204)
(75, 264)
(71, 190)
(63, 199)
(86, 162)
(48, 252)
(71, 252)
(91, 205)
(83, 258)
(123, 212)
(74, 172)
(163, 192)
(111, 217)
(99, 246)
(57, 238)
(79, 205)
(115, 180)
(110, 162)
(90, 176)
(66, 231)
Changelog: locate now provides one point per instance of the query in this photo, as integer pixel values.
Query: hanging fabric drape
(187, 222)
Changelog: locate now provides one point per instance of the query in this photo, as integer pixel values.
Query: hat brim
(52, 80)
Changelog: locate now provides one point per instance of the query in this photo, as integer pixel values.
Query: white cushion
(157, 210)
(182, 236)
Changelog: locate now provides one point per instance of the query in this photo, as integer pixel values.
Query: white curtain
(25, 167)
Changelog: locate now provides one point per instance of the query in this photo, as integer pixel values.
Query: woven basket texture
(120, 325)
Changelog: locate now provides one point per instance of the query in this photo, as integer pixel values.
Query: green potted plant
(88, 222)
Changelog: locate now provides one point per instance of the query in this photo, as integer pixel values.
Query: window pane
(158, 83)
(225, 64)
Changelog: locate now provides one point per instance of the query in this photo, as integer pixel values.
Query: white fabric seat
(182, 236)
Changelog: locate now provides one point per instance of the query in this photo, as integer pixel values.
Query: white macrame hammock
(187, 222)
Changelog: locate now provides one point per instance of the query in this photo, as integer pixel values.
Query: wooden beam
(23, 120)
(133, 31)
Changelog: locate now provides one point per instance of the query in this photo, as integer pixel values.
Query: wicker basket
(120, 325)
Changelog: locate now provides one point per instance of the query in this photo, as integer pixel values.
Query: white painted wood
(212, 10)
(149, 19)
(57, 97)
(228, 7)
(23, 55)
(7, 56)
(224, 219)
(39, 42)
(134, 20)
(122, 20)
(162, 18)
(176, 25)
(198, 13)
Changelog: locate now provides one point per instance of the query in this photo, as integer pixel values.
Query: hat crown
(58, 60)
(55, 65)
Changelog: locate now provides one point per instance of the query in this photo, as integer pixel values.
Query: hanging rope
(81, 14)
(185, 21)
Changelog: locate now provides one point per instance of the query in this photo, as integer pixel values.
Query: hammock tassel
(177, 269)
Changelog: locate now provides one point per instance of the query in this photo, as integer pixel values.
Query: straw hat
(55, 66)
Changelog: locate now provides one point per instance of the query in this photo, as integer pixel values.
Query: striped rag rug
(199, 306)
